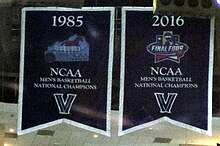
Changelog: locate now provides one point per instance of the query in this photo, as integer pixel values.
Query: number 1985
(70, 21)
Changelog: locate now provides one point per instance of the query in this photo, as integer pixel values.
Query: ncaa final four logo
(167, 47)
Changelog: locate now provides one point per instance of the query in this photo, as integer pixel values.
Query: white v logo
(165, 105)
(64, 105)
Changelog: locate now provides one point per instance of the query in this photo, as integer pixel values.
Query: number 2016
(168, 21)
(69, 21)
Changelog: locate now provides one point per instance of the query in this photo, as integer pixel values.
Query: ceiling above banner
(187, 8)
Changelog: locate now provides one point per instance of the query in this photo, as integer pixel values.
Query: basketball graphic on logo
(179, 53)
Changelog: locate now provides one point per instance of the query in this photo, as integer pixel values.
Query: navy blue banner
(66, 68)
(166, 71)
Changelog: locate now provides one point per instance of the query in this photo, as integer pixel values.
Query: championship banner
(166, 71)
(66, 68)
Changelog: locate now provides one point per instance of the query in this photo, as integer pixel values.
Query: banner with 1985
(66, 68)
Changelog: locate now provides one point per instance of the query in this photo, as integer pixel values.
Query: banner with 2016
(66, 69)
(166, 71)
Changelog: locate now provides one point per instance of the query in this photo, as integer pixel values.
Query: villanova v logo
(64, 105)
(165, 105)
